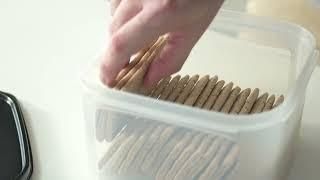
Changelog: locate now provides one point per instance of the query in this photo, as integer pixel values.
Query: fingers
(114, 5)
(126, 10)
(134, 35)
(135, 27)
(138, 33)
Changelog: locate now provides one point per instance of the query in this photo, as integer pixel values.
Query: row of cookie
(211, 94)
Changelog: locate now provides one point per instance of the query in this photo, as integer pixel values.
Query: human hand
(138, 23)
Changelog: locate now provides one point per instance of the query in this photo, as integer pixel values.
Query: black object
(15, 151)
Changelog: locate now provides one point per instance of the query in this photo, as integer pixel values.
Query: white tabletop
(43, 46)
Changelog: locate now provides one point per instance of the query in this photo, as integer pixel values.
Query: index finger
(136, 34)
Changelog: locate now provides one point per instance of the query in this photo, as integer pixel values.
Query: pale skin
(138, 23)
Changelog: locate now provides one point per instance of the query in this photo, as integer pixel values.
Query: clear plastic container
(252, 52)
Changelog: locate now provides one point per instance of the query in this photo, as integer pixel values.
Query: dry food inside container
(162, 151)
(219, 117)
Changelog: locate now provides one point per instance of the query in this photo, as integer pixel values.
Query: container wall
(130, 137)
(290, 46)
(149, 149)
(146, 148)
(269, 151)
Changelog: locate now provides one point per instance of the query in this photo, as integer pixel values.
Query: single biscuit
(165, 151)
(269, 103)
(123, 150)
(197, 90)
(250, 101)
(187, 90)
(136, 147)
(181, 84)
(152, 139)
(116, 143)
(278, 101)
(231, 99)
(214, 95)
(259, 104)
(228, 164)
(160, 87)
(200, 159)
(241, 100)
(206, 92)
(214, 164)
(223, 96)
(155, 151)
(168, 90)
(170, 159)
(184, 156)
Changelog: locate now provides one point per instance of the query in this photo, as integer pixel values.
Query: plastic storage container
(252, 52)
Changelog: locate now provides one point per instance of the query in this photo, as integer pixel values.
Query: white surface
(43, 46)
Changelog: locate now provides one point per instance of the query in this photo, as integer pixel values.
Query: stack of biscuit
(167, 152)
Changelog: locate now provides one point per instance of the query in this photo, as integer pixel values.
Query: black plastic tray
(15, 151)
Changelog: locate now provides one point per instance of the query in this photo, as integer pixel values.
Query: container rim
(209, 120)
